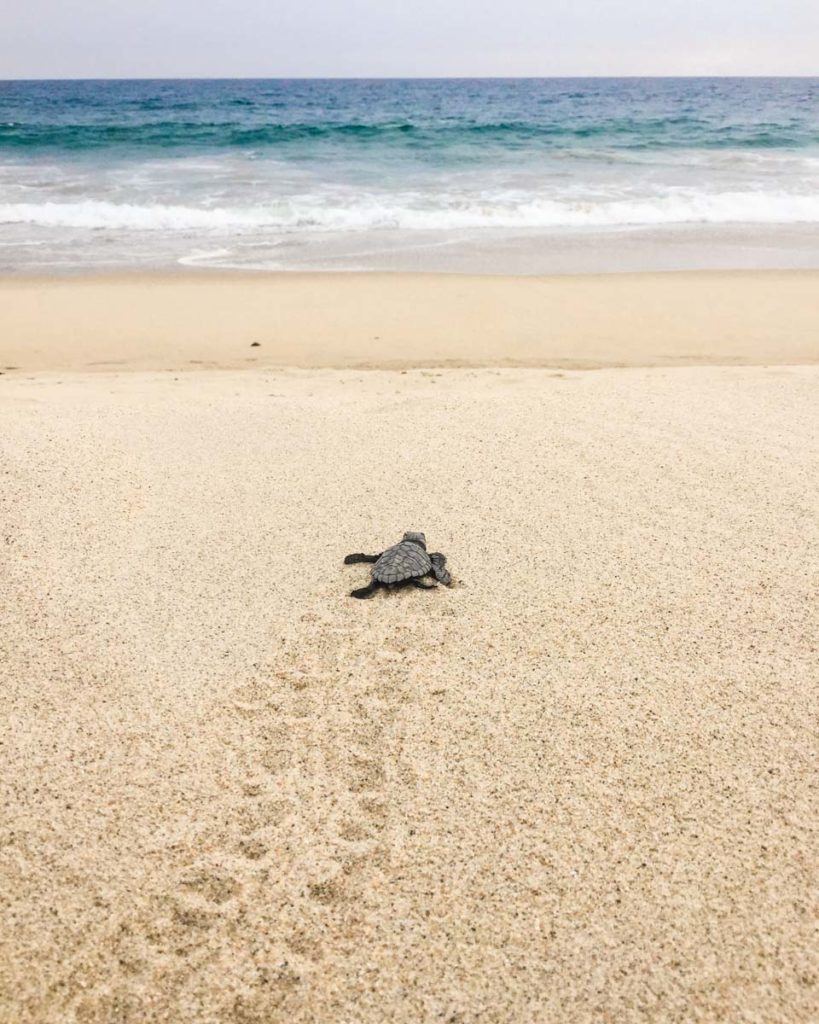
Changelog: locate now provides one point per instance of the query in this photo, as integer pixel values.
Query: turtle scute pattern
(404, 561)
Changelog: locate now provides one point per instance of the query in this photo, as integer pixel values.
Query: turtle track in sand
(310, 841)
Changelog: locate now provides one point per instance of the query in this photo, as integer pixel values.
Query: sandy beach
(578, 786)
(175, 321)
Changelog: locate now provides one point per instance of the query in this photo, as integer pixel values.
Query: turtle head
(416, 538)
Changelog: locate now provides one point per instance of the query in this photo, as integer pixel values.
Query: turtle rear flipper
(439, 568)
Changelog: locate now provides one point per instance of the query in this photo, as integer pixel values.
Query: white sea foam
(426, 212)
(98, 214)
(203, 256)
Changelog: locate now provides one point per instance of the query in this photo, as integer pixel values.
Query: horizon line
(386, 78)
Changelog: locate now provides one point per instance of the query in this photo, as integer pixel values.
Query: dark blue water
(423, 117)
(209, 170)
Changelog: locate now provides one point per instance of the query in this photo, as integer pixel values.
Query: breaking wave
(425, 213)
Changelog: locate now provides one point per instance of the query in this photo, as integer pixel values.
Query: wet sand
(188, 321)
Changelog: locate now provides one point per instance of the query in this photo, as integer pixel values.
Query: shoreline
(369, 320)
(532, 252)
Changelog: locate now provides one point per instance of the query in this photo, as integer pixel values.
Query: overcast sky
(362, 38)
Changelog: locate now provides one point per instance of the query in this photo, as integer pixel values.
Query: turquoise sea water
(343, 173)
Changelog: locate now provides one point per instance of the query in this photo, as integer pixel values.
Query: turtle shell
(404, 561)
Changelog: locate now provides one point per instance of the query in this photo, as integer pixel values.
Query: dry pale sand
(184, 321)
(578, 787)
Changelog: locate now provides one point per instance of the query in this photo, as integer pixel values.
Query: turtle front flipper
(364, 592)
(439, 568)
(356, 559)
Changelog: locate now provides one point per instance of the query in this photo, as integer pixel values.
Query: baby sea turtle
(405, 562)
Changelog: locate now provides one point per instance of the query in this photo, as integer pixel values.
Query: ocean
(519, 175)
